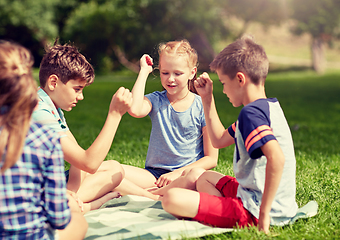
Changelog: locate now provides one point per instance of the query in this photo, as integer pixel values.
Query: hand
(204, 85)
(74, 201)
(146, 62)
(167, 178)
(121, 101)
(264, 222)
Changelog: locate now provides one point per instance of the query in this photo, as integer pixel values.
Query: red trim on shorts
(226, 211)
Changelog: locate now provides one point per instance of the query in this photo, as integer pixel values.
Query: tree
(122, 30)
(320, 19)
(266, 12)
(37, 16)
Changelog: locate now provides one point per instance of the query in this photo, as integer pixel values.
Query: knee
(170, 199)
(194, 174)
(203, 181)
(115, 169)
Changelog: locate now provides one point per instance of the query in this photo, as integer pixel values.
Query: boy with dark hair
(64, 73)
(263, 190)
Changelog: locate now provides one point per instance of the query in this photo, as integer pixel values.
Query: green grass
(312, 107)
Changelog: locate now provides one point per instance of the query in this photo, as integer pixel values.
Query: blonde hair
(181, 48)
(18, 98)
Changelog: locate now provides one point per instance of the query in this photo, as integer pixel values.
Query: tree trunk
(120, 54)
(204, 50)
(318, 57)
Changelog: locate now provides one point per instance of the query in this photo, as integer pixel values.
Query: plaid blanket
(134, 217)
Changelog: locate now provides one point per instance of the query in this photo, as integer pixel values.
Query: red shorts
(226, 211)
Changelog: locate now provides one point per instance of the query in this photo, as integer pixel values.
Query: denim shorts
(67, 173)
(157, 172)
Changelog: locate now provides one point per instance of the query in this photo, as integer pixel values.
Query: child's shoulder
(262, 104)
(157, 96)
(41, 136)
(261, 108)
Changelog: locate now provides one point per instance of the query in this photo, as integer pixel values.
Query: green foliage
(317, 17)
(38, 16)
(263, 11)
(137, 26)
(312, 107)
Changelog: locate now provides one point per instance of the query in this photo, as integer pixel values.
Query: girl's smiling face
(175, 73)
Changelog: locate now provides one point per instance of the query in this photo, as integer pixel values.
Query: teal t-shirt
(47, 114)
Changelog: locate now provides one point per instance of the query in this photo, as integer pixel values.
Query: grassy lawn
(312, 107)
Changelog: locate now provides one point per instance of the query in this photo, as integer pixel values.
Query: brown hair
(67, 63)
(243, 55)
(18, 98)
(181, 48)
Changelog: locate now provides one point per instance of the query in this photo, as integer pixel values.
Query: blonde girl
(179, 141)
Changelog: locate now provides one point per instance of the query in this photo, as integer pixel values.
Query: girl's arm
(207, 162)
(141, 106)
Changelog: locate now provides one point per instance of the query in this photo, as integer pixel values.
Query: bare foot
(95, 204)
(108, 196)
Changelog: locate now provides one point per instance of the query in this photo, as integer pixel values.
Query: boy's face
(231, 88)
(66, 96)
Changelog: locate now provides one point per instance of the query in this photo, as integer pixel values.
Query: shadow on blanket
(134, 217)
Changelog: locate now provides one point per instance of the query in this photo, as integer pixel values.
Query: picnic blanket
(135, 217)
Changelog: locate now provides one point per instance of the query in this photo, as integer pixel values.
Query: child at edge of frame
(34, 203)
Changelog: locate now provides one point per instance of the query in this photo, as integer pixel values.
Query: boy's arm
(89, 160)
(141, 106)
(219, 136)
(274, 169)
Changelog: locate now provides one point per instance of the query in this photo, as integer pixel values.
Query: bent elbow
(218, 145)
(135, 114)
(90, 168)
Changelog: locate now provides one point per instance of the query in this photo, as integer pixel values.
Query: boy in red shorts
(263, 190)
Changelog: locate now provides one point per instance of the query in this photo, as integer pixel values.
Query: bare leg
(136, 182)
(75, 178)
(77, 227)
(139, 176)
(207, 183)
(129, 188)
(181, 202)
(99, 202)
(187, 180)
(108, 177)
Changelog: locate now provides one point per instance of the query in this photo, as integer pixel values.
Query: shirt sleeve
(254, 125)
(58, 212)
(231, 130)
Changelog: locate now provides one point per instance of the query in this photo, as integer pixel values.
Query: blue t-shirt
(259, 122)
(176, 138)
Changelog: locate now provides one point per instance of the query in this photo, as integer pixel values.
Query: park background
(301, 38)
